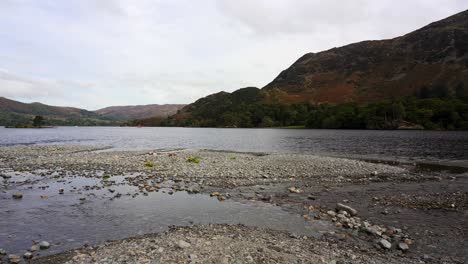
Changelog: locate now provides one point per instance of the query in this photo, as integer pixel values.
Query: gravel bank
(222, 244)
(394, 205)
(213, 168)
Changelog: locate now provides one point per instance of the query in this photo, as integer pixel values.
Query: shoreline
(385, 196)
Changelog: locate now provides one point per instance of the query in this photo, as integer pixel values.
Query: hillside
(139, 111)
(374, 70)
(14, 112)
(421, 77)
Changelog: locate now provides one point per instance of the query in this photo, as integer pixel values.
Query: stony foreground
(383, 213)
(221, 244)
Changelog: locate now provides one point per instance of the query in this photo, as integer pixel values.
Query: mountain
(370, 84)
(436, 54)
(14, 113)
(140, 111)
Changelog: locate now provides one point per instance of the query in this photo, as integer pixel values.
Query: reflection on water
(426, 146)
(67, 222)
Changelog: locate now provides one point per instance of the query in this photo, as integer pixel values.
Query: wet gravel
(399, 210)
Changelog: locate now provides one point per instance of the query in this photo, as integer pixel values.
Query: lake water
(408, 146)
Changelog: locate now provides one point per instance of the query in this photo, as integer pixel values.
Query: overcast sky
(97, 53)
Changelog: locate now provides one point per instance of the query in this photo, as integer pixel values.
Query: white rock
(182, 244)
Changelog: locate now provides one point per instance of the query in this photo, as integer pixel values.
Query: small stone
(214, 194)
(403, 246)
(2, 252)
(408, 241)
(182, 244)
(17, 195)
(331, 213)
(385, 244)
(61, 191)
(28, 255)
(374, 173)
(294, 190)
(14, 259)
(350, 210)
(44, 245)
(82, 199)
(34, 248)
(311, 197)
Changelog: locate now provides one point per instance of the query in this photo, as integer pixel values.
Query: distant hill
(14, 112)
(140, 111)
(421, 77)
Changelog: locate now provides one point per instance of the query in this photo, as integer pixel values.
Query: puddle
(423, 167)
(119, 211)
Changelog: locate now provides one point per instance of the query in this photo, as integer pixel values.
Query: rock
(28, 255)
(34, 248)
(294, 190)
(350, 210)
(14, 259)
(44, 245)
(4, 176)
(403, 246)
(17, 195)
(374, 173)
(2, 252)
(373, 230)
(182, 244)
(214, 194)
(61, 191)
(331, 213)
(408, 241)
(311, 197)
(385, 244)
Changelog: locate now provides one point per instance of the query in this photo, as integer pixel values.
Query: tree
(37, 121)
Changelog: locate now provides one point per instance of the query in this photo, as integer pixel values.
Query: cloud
(92, 54)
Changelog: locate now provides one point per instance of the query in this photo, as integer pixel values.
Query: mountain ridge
(429, 62)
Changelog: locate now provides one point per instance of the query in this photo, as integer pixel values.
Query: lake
(445, 147)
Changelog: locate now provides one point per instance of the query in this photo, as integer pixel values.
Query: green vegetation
(194, 159)
(37, 121)
(106, 176)
(432, 108)
(149, 164)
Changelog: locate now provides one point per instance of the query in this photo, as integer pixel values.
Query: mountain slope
(373, 70)
(139, 111)
(14, 112)
(431, 62)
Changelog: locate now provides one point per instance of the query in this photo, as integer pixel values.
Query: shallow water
(418, 146)
(67, 222)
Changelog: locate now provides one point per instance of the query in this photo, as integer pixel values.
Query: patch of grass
(194, 159)
(232, 157)
(106, 176)
(149, 164)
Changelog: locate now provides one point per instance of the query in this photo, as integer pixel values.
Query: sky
(97, 53)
